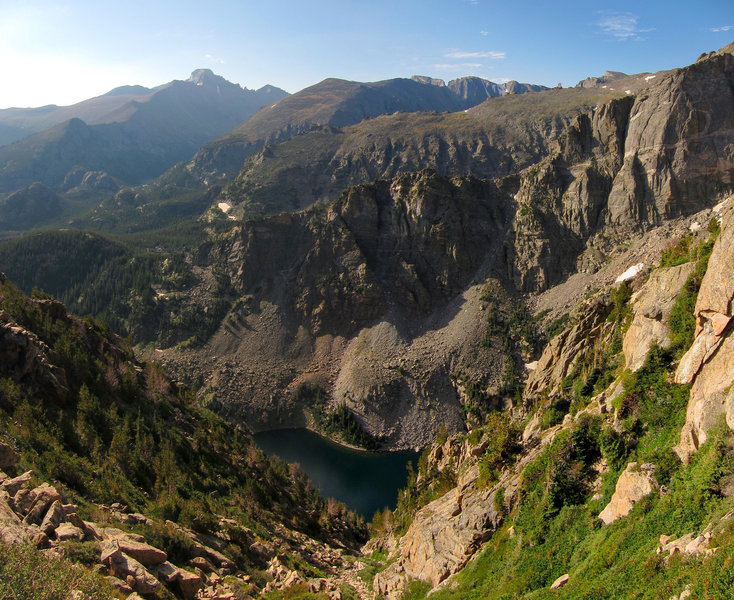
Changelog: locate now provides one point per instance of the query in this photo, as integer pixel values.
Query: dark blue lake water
(364, 481)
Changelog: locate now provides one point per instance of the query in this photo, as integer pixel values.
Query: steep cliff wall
(376, 297)
(709, 363)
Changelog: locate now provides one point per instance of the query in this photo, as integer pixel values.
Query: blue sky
(63, 52)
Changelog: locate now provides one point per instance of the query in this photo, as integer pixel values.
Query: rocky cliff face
(359, 295)
(494, 139)
(445, 535)
(709, 363)
(376, 296)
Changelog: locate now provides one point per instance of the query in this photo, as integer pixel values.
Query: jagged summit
(207, 77)
(474, 89)
(429, 80)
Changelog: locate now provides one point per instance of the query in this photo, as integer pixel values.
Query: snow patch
(719, 208)
(225, 207)
(649, 77)
(627, 91)
(722, 205)
(630, 273)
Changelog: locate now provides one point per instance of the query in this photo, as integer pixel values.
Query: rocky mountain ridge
(599, 462)
(494, 139)
(332, 102)
(401, 354)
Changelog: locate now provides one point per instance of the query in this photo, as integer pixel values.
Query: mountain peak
(429, 80)
(204, 77)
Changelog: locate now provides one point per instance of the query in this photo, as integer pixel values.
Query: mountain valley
(532, 287)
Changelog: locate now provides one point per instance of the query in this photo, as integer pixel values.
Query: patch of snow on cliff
(719, 208)
(630, 273)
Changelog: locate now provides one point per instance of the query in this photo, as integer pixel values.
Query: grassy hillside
(105, 428)
(550, 524)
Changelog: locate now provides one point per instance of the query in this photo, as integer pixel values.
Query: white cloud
(491, 54)
(457, 66)
(219, 61)
(622, 26)
(724, 28)
(483, 32)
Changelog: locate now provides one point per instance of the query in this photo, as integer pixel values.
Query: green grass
(619, 560)
(374, 563)
(26, 574)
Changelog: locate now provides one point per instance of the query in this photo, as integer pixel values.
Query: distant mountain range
(337, 103)
(83, 153)
(131, 133)
(226, 105)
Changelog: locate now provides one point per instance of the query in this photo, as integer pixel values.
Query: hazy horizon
(64, 52)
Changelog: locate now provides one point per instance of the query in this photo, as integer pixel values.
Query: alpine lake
(364, 481)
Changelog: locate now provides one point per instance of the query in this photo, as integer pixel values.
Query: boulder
(202, 563)
(11, 528)
(690, 544)
(264, 551)
(38, 537)
(11, 486)
(135, 574)
(560, 582)
(67, 531)
(70, 508)
(75, 520)
(92, 530)
(8, 457)
(54, 517)
(44, 496)
(633, 485)
(144, 553)
(119, 585)
(185, 582)
(212, 555)
(113, 533)
(109, 552)
(22, 501)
